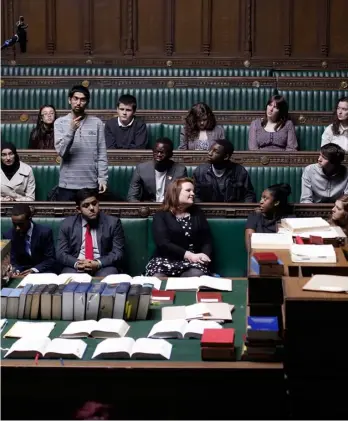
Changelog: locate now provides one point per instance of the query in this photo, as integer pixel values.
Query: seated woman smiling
(182, 235)
(273, 207)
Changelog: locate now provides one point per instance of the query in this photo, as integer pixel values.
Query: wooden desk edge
(128, 364)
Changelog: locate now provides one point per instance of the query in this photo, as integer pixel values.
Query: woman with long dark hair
(275, 131)
(42, 136)
(200, 130)
(337, 132)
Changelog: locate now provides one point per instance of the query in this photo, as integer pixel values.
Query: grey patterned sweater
(84, 160)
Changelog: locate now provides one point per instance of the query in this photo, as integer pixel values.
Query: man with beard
(79, 141)
(32, 246)
(150, 179)
(90, 241)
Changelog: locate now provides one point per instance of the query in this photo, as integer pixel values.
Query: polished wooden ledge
(133, 157)
(172, 82)
(177, 116)
(146, 209)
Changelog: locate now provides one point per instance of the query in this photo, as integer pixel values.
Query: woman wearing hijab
(17, 178)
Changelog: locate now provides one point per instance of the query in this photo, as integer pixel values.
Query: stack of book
(263, 340)
(76, 301)
(266, 264)
(218, 345)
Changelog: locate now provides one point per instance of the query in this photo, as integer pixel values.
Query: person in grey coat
(150, 179)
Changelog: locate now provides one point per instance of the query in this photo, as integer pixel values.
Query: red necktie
(88, 244)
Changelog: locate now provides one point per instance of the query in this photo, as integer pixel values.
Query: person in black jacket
(181, 234)
(126, 131)
(221, 180)
(32, 245)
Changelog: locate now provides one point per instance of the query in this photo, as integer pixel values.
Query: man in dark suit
(91, 241)
(32, 245)
(151, 178)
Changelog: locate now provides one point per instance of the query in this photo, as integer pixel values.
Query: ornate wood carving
(133, 157)
(284, 83)
(325, 28)
(177, 116)
(288, 14)
(169, 17)
(87, 27)
(130, 44)
(206, 26)
(51, 26)
(249, 23)
(144, 210)
(193, 62)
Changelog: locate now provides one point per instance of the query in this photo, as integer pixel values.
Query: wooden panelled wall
(273, 33)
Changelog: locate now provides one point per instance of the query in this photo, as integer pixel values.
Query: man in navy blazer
(90, 241)
(32, 245)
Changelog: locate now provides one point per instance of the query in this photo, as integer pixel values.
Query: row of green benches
(173, 99)
(47, 177)
(230, 258)
(308, 137)
(154, 71)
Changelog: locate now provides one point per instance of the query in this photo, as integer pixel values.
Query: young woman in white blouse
(337, 132)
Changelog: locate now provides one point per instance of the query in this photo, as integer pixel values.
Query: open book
(181, 329)
(311, 253)
(141, 280)
(22, 329)
(327, 283)
(218, 312)
(128, 348)
(29, 347)
(52, 278)
(195, 283)
(104, 328)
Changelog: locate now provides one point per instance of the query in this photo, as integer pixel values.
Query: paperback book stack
(263, 341)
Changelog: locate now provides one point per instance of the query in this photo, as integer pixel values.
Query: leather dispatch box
(218, 354)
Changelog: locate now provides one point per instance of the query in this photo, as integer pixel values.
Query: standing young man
(79, 141)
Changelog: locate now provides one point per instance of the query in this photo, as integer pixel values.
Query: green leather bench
(130, 72)
(170, 99)
(309, 137)
(311, 73)
(230, 258)
(158, 72)
(47, 176)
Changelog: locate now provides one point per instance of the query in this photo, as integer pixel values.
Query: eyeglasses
(47, 115)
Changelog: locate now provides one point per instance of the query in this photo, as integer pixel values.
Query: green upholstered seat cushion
(171, 99)
(309, 137)
(47, 176)
(135, 231)
(230, 256)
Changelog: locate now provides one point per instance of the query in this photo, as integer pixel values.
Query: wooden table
(306, 269)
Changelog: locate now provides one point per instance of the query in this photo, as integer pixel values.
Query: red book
(299, 240)
(266, 258)
(208, 297)
(315, 239)
(223, 338)
(166, 297)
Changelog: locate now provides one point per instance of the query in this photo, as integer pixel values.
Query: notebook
(327, 283)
